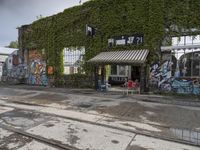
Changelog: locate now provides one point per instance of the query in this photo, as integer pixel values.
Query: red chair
(132, 87)
(130, 84)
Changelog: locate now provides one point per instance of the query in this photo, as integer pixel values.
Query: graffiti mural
(182, 86)
(37, 69)
(165, 76)
(154, 74)
(186, 86)
(37, 73)
(14, 71)
(161, 76)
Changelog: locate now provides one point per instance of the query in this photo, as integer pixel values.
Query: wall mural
(165, 76)
(37, 69)
(160, 76)
(154, 75)
(13, 69)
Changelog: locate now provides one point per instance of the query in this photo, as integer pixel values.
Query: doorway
(135, 73)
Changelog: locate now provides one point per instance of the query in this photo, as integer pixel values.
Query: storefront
(118, 66)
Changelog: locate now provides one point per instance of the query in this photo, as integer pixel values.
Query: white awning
(121, 57)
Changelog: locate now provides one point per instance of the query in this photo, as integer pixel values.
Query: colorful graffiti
(37, 73)
(154, 74)
(186, 86)
(13, 69)
(37, 69)
(165, 76)
(161, 76)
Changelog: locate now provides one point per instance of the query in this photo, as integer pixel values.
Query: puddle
(84, 105)
(106, 100)
(22, 119)
(115, 141)
(187, 135)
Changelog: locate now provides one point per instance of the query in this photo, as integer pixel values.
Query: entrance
(135, 73)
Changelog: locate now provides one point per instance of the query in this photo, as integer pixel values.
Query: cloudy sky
(14, 13)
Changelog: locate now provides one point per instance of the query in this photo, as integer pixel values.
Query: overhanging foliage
(111, 18)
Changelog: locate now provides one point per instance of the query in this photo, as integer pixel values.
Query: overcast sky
(14, 13)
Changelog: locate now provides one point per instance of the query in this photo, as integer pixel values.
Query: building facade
(126, 43)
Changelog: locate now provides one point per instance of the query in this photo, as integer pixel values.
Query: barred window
(73, 59)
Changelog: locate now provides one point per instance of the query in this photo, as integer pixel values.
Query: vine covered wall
(155, 19)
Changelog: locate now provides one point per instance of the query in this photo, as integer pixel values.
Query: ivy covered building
(130, 36)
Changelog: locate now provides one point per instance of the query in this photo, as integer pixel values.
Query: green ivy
(111, 18)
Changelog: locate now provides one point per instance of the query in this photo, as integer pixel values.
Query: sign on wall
(50, 70)
(135, 39)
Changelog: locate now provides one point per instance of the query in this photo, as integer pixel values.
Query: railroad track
(67, 147)
(49, 142)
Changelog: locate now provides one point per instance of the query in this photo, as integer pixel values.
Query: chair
(103, 86)
(132, 87)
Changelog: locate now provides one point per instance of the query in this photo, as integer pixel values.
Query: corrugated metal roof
(121, 57)
(6, 51)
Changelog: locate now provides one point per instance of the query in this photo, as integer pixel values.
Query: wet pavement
(93, 122)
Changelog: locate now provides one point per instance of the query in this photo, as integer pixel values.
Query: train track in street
(30, 107)
(59, 145)
(49, 142)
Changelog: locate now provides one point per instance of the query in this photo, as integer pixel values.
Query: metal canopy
(121, 57)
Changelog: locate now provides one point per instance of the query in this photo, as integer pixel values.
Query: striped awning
(121, 57)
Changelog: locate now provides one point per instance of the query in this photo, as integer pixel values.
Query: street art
(165, 76)
(37, 69)
(182, 86)
(37, 73)
(161, 75)
(154, 75)
(15, 74)
(154, 70)
(186, 86)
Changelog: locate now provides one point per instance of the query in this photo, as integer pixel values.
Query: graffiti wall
(161, 77)
(37, 69)
(14, 71)
(186, 86)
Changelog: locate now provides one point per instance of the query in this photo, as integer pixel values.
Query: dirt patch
(84, 105)
(50, 97)
(14, 141)
(22, 119)
(172, 116)
(126, 109)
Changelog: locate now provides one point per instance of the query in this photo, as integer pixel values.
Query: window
(122, 70)
(188, 63)
(186, 40)
(113, 69)
(73, 59)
